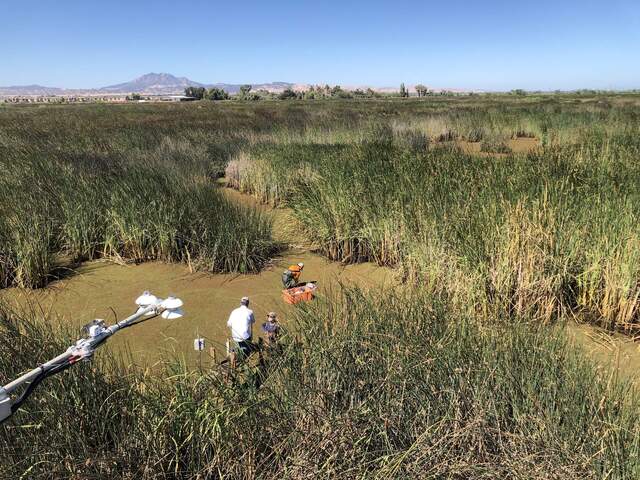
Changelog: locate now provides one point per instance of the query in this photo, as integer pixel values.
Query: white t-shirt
(240, 322)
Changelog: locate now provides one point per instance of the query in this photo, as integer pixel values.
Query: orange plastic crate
(298, 294)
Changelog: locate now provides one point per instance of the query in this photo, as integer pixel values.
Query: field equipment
(149, 306)
(303, 293)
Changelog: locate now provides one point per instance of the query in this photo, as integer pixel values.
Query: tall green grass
(550, 231)
(367, 386)
(60, 207)
(463, 377)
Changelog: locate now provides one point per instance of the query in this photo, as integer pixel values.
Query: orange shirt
(296, 270)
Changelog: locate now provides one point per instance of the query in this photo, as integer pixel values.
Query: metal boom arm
(149, 307)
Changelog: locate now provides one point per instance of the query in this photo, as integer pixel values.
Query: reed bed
(67, 205)
(552, 230)
(370, 386)
(464, 375)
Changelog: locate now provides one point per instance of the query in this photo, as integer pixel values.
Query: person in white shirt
(241, 323)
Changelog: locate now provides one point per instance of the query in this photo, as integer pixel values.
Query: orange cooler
(299, 294)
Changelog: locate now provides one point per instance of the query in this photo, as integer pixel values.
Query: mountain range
(161, 84)
(151, 83)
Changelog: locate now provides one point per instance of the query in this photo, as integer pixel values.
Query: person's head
(271, 317)
(301, 265)
(244, 301)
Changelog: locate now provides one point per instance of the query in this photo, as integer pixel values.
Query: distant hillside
(167, 84)
(31, 90)
(270, 87)
(150, 84)
(158, 83)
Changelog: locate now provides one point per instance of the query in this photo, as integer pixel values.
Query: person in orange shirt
(291, 276)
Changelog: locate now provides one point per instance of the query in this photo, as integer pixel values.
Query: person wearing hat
(241, 323)
(271, 329)
(291, 276)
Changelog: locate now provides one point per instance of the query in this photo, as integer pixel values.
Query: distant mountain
(31, 90)
(150, 84)
(165, 84)
(159, 83)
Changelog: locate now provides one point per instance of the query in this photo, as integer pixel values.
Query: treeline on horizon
(317, 92)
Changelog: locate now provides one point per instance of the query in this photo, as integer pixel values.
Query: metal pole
(27, 377)
(92, 342)
(84, 348)
(199, 352)
(124, 323)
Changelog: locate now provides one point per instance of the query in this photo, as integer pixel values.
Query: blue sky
(490, 45)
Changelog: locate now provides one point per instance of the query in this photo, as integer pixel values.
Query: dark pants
(244, 348)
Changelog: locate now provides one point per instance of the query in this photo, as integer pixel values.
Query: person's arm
(252, 320)
(229, 321)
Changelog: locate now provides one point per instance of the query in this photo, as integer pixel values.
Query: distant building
(173, 98)
(100, 98)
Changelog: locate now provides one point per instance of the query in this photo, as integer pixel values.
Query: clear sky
(491, 45)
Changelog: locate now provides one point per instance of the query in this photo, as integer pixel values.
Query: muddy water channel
(106, 290)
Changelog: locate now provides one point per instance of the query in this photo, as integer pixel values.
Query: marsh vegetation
(461, 372)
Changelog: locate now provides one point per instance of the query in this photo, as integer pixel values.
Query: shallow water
(617, 353)
(99, 287)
